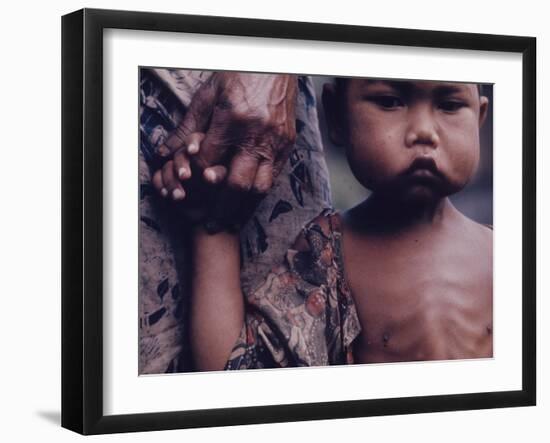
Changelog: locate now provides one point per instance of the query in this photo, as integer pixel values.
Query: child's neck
(383, 214)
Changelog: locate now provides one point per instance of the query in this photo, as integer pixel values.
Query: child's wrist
(207, 246)
(203, 230)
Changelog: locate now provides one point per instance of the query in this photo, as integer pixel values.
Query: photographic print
(269, 221)
(305, 220)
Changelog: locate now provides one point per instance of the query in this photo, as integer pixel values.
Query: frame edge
(529, 220)
(82, 234)
(72, 56)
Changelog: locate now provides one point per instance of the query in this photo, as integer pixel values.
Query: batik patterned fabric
(299, 193)
(303, 313)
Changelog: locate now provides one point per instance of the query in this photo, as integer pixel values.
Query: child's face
(413, 138)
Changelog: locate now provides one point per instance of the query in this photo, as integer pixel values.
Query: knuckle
(184, 129)
(250, 151)
(189, 124)
(173, 142)
(163, 150)
(238, 183)
(261, 188)
(255, 117)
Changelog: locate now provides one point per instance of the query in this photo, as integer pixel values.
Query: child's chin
(421, 195)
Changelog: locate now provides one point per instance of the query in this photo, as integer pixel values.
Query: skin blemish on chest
(386, 339)
(489, 330)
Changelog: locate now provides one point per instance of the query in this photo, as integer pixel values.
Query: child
(402, 276)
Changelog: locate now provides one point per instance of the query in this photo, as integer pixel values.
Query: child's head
(409, 138)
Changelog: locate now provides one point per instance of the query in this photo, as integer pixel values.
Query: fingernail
(164, 192)
(182, 173)
(163, 151)
(178, 194)
(210, 175)
(193, 148)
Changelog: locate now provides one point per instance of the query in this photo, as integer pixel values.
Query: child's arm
(217, 304)
(292, 318)
(286, 317)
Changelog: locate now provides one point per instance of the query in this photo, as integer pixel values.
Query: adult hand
(249, 126)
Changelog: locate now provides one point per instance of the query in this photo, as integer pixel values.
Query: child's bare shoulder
(481, 233)
(477, 249)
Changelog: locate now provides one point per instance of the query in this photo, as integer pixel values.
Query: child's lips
(423, 170)
(422, 173)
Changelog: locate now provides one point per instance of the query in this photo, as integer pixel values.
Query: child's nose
(422, 129)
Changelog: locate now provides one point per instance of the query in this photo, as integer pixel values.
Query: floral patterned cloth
(303, 314)
(299, 193)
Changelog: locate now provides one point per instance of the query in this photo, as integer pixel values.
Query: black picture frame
(82, 219)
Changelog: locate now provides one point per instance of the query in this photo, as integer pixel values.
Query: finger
(196, 119)
(242, 173)
(264, 178)
(199, 111)
(182, 168)
(181, 157)
(215, 174)
(219, 139)
(193, 142)
(172, 143)
(159, 184)
(171, 183)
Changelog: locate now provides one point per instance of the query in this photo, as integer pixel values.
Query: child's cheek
(375, 149)
(367, 167)
(465, 162)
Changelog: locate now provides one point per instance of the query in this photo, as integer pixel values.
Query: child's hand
(203, 194)
(180, 180)
(170, 178)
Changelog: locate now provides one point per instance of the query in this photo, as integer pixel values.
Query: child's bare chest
(421, 300)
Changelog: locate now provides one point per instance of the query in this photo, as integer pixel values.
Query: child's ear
(333, 114)
(483, 108)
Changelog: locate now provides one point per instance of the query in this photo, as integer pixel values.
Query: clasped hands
(232, 143)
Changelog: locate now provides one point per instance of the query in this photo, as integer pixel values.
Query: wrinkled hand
(249, 126)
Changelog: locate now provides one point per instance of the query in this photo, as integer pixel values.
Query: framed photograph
(269, 221)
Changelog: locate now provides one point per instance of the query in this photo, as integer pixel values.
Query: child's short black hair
(341, 83)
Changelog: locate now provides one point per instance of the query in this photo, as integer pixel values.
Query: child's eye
(387, 101)
(451, 105)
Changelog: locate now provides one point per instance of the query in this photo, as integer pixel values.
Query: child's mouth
(423, 170)
(423, 167)
(422, 173)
